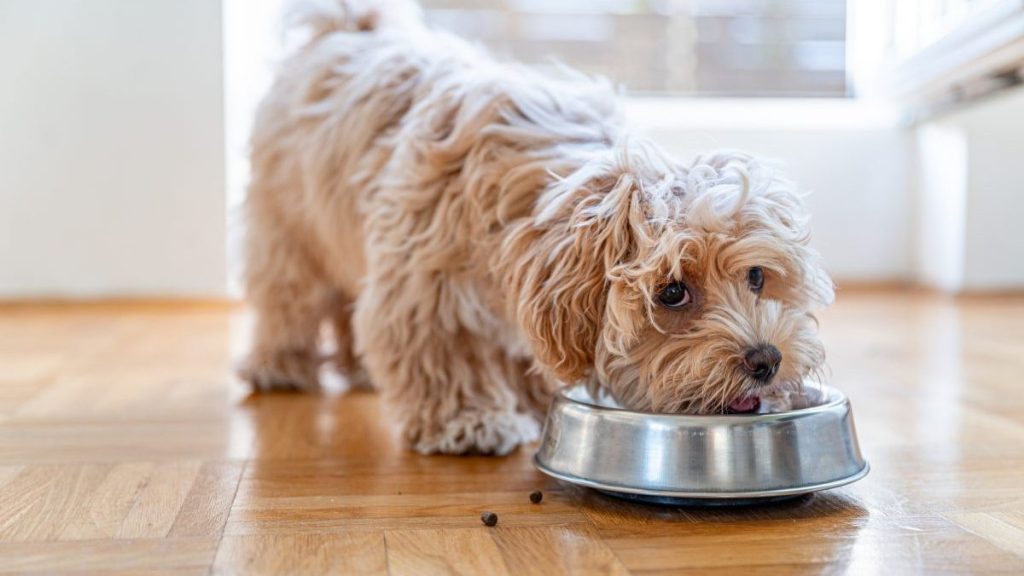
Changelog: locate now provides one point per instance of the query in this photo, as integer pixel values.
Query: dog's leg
(290, 299)
(344, 357)
(451, 391)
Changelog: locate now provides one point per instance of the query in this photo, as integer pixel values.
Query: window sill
(784, 114)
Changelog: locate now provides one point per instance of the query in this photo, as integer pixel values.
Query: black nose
(762, 362)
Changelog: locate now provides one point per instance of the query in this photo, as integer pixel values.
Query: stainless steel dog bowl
(675, 459)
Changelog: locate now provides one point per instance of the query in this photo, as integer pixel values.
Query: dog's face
(692, 292)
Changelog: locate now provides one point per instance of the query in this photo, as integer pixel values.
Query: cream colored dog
(478, 233)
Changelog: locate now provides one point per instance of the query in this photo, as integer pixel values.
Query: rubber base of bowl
(704, 502)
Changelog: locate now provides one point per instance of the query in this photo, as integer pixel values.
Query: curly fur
(477, 233)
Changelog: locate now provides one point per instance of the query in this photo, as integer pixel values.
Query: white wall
(994, 247)
(111, 148)
(941, 165)
(977, 190)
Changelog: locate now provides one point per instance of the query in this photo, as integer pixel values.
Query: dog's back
(371, 77)
(326, 128)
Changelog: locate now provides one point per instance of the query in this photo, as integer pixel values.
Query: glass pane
(703, 47)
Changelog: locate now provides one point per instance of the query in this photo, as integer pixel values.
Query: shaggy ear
(559, 265)
(767, 202)
(813, 284)
(788, 223)
(819, 288)
(783, 210)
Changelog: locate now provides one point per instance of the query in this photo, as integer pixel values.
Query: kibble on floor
(489, 518)
(536, 496)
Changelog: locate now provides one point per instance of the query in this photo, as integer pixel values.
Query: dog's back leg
(343, 357)
(290, 296)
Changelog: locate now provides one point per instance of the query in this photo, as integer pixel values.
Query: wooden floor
(127, 447)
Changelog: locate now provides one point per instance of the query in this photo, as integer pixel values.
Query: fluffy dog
(477, 233)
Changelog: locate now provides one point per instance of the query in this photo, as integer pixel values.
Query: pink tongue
(745, 404)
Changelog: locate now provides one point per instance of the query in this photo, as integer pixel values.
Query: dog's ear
(561, 263)
(768, 206)
(819, 290)
(783, 212)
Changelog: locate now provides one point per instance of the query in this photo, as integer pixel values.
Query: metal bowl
(676, 459)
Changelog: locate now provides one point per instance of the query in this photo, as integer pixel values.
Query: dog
(477, 234)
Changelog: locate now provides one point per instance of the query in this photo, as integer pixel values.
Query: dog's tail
(323, 17)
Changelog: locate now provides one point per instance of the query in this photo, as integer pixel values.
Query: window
(668, 47)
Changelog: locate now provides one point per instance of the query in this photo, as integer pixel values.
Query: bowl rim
(836, 398)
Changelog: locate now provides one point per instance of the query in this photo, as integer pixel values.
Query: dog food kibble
(536, 496)
(489, 518)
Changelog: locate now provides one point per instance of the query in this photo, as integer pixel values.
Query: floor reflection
(822, 527)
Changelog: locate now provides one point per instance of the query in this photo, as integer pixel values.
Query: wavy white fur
(477, 233)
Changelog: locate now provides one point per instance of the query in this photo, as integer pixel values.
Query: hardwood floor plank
(341, 477)
(459, 510)
(302, 553)
(41, 500)
(207, 505)
(160, 502)
(568, 549)
(14, 395)
(429, 552)
(103, 513)
(152, 556)
(8, 473)
(62, 441)
(1003, 529)
(933, 549)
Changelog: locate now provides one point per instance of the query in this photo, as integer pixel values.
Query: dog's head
(675, 289)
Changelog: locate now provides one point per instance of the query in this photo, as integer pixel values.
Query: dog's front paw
(281, 371)
(477, 432)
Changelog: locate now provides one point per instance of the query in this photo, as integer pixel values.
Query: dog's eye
(675, 295)
(755, 278)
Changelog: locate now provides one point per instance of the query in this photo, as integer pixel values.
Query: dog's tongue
(745, 404)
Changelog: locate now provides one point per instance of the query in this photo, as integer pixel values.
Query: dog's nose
(762, 362)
